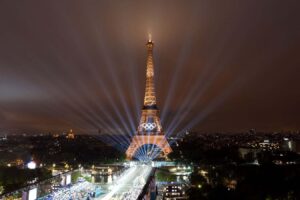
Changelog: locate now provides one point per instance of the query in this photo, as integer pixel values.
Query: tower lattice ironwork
(149, 131)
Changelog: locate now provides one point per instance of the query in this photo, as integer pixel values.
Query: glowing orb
(31, 165)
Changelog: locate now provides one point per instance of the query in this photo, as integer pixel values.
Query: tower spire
(149, 37)
(150, 98)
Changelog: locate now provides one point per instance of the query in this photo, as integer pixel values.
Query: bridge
(131, 184)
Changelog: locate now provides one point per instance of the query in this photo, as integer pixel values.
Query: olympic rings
(149, 126)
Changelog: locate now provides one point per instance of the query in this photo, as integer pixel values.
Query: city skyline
(222, 66)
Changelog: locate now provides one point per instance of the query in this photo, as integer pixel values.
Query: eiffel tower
(149, 131)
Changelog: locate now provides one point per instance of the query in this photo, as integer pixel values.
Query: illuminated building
(3, 137)
(266, 145)
(173, 192)
(288, 145)
(70, 135)
(55, 135)
(18, 162)
(149, 131)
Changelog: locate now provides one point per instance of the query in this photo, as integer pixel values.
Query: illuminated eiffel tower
(149, 131)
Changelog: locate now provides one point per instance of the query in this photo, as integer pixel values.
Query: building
(149, 131)
(173, 192)
(70, 135)
(288, 145)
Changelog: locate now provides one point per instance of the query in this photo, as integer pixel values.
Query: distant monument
(70, 135)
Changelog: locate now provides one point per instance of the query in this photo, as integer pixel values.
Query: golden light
(149, 37)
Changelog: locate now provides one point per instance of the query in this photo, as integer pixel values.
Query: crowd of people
(82, 190)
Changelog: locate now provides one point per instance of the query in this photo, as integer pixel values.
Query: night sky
(220, 65)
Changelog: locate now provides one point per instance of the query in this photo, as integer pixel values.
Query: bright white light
(32, 194)
(68, 179)
(31, 165)
(290, 144)
(109, 179)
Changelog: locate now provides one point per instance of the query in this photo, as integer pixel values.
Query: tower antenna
(149, 37)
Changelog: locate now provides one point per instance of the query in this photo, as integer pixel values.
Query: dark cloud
(220, 65)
